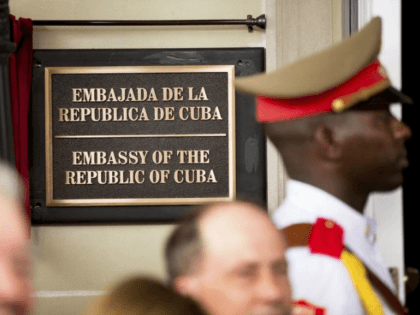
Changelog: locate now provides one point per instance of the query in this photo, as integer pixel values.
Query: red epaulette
(327, 238)
(304, 307)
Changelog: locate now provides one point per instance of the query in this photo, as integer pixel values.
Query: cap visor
(401, 97)
(390, 95)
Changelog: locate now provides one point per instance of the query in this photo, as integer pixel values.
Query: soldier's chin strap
(298, 235)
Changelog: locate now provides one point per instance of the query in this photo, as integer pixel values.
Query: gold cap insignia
(329, 224)
(338, 105)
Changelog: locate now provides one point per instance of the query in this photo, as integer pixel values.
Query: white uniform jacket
(319, 279)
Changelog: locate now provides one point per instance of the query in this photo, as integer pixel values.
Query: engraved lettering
(101, 158)
(164, 113)
(88, 95)
(183, 113)
(114, 158)
(77, 95)
(74, 112)
(101, 95)
(130, 113)
(178, 176)
(91, 175)
(115, 115)
(122, 157)
(157, 157)
(199, 113)
(63, 114)
(143, 115)
(76, 158)
(143, 155)
(198, 176)
(81, 177)
(107, 114)
(121, 98)
(111, 159)
(193, 156)
(133, 159)
(112, 177)
(122, 178)
(137, 176)
(167, 94)
(212, 177)
(83, 113)
(70, 178)
(154, 176)
(89, 158)
(178, 94)
(194, 97)
(216, 114)
(152, 96)
(201, 176)
(203, 95)
(111, 96)
(130, 96)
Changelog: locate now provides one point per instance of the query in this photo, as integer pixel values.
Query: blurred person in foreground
(329, 116)
(15, 262)
(230, 258)
(143, 296)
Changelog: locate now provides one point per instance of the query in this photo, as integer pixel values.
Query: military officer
(328, 115)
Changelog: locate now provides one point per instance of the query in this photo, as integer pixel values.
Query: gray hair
(184, 247)
(11, 183)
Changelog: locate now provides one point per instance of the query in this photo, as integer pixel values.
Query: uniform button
(367, 230)
(329, 224)
(372, 238)
(338, 105)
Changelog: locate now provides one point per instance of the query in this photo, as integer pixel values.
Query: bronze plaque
(139, 135)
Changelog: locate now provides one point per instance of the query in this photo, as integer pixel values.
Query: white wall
(141, 36)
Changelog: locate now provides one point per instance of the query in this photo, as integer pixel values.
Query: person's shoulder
(319, 279)
(290, 213)
(323, 236)
(313, 245)
(321, 283)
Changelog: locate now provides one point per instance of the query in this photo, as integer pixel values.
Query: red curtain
(20, 74)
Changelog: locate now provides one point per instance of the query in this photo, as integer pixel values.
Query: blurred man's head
(230, 257)
(15, 261)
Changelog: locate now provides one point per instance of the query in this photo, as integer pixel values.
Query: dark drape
(20, 72)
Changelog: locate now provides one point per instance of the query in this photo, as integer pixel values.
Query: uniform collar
(357, 227)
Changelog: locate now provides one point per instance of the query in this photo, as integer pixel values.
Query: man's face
(243, 270)
(15, 263)
(375, 153)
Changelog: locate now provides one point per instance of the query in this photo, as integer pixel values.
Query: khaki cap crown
(320, 72)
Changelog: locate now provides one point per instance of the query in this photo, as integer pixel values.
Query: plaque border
(49, 71)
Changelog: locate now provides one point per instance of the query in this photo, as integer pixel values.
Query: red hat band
(366, 83)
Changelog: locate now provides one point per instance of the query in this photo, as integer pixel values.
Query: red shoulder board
(326, 238)
(302, 307)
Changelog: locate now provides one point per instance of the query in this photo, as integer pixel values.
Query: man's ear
(328, 147)
(185, 285)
